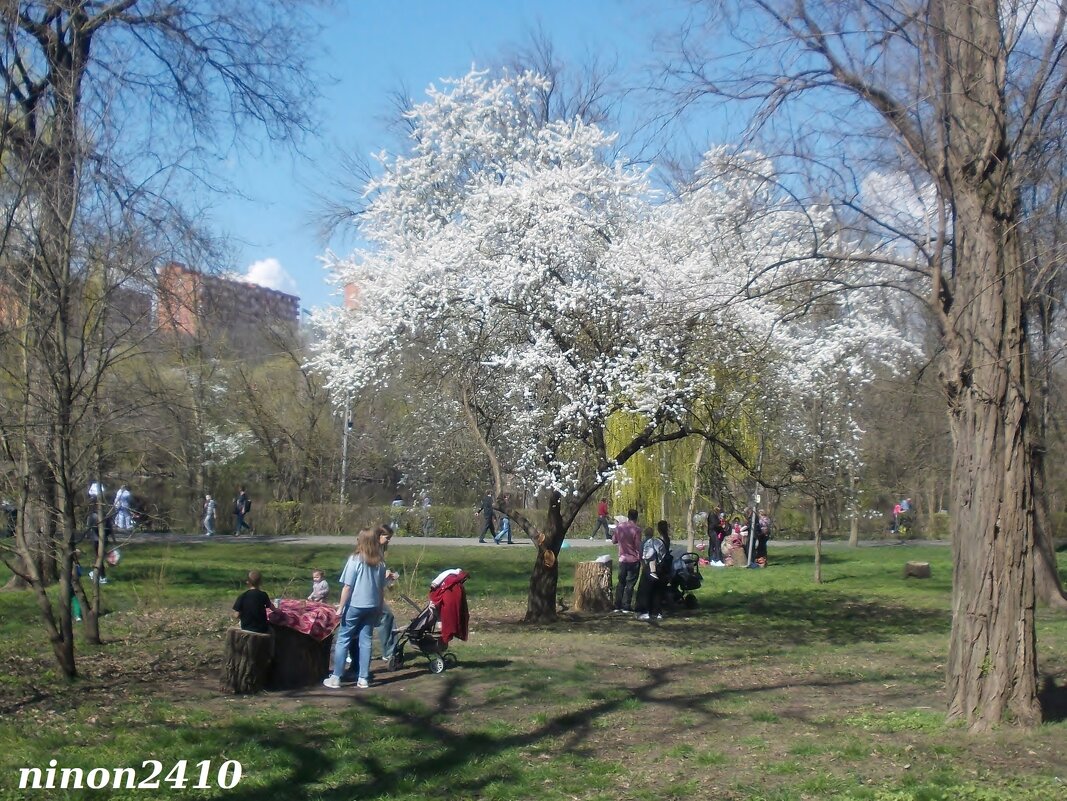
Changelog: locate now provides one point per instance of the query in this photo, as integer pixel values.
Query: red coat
(451, 601)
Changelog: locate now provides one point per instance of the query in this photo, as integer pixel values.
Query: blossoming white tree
(555, 295)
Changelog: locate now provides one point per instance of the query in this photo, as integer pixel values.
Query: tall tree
(961, 96)
(509, 254)
(90, 90)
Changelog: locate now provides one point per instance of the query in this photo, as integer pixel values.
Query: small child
(320, 589)
(252, 605)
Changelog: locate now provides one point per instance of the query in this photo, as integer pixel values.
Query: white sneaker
(333, 682)
(362, 684)
(103, 579)
(643, 617)
(92, 575)
(659, 617)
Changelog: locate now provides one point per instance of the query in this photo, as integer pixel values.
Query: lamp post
(344, 444)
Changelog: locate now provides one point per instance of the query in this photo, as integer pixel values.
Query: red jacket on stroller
(450, 598)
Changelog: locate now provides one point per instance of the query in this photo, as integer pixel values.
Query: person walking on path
(602, 519)
(427, 518)
(505, 529)
(123, 508)
(210, 515)
(360, 607)
(486, 508)
(628, 537)
(242, 506)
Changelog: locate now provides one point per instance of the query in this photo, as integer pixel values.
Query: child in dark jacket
(251, 606)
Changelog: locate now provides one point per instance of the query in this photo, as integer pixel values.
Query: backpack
(665, 566)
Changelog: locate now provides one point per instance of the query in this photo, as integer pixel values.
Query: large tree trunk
(992, 660)
(544, 579)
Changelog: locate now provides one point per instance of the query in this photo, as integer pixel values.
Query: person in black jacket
(251, 605)
(242, 506)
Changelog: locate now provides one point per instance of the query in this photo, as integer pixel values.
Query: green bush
(938, 526)
(281, 517)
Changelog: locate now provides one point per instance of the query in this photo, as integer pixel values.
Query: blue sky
(370, 48)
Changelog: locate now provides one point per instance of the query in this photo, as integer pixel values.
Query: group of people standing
(645, 563)
(751, 525)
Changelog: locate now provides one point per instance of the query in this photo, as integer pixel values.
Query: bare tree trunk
(817, 517)
(689, 531)
(483, 443)
(854, 520)
(544, 580)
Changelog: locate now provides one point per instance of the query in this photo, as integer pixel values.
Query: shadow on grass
(1053, 701)
(442, 760)
(785, 617)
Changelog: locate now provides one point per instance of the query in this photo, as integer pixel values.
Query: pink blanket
(308, 617)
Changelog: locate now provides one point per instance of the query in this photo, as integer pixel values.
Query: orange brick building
(195, 303)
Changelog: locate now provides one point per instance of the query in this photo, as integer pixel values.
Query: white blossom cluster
(512, 263)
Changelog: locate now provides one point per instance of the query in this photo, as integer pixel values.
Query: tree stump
(592, 587)
(917, 570)
(299, 660)
(248, 661)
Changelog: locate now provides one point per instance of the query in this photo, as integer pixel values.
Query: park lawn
(774, 688)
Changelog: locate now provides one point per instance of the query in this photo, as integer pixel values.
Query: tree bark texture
(544, 579)
(299, 660)
(592, 587)
(992, 661)
(248, 657)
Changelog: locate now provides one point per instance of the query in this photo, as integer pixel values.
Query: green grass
(774, 688)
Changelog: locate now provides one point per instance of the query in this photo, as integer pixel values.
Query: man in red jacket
(602, 519)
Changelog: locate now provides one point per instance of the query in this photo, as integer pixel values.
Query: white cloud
(271, 274)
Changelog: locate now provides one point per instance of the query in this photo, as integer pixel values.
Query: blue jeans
(385, 632)
(354, 637)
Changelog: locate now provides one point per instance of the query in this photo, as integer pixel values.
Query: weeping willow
(658, 481)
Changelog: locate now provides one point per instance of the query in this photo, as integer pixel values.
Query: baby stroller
(685, 580)
(445, 616)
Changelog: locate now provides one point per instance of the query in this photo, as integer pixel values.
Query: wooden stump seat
(299, 660)
(917, 570)
(285, 659)
(248, 659)
(592, 587)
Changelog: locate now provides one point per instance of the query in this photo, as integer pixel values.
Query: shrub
(938, 526)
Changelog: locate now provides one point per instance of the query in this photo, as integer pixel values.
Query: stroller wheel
(451, 660)
(395, 661)
(437, 664)
(690, 601)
